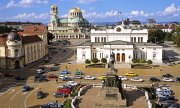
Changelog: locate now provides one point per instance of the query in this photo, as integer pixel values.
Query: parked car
(154, 79)
(52, 105)
(56, 64)
(78, 73)
(41, 67)
(167, 75)
(178, 79)
(64, 91)
(8, 75)
(66, 79)
(42, 78)
(170, 58)
(52, 76)
(40, 95)
(167, 103)
(19, 78)
(40, 71)
(72, 83)
(62, 76)
(64, 72)
(88, 77)
(167, 79)
(122, 78)
(26, 88)
(102, 77)
(59, 95)
(174, 105)
(131, 74)
(77, 77)
(136, 79)
(54, 68)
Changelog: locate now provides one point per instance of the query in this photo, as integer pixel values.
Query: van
(170, 58)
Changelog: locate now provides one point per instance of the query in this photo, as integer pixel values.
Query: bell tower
(54, 17)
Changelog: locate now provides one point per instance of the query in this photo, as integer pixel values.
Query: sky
(93, 10)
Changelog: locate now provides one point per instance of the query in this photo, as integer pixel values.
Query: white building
(124, 42)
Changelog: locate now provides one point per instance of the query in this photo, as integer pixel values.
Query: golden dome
(75, 9)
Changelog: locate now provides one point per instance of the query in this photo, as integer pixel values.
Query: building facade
(125, 43)
(19, 49)
(74, 26)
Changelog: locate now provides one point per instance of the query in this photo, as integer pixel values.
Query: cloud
(141, 13)
(94, 14)
(31, 16)
(86, 1)
(170, 10)
(25, 3)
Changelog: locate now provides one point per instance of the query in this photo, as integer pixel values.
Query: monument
(112, 93)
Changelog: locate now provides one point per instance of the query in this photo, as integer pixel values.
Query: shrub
(104, 60)
(142, 60)
(134, 60)
(87, 61)
(149, 61)
(95, 60)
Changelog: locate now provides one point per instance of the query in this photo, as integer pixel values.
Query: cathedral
(74, 26)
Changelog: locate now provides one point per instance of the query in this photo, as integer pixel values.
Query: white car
(89, 77)
(72, 83)
(62, 76)
(40, 71)
(137, 79)
(168, 79)
(122, 78)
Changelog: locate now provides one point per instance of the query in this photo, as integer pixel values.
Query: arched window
(16, 53)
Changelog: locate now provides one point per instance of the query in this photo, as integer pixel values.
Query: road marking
(29, 95)
(14, 95)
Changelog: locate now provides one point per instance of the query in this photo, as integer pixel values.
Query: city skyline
(93, 10)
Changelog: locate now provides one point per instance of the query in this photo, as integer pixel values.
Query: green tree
(149, 61)
(95, 60)
(156, 35)
(104, 60)
(50, 36)
(87, 61)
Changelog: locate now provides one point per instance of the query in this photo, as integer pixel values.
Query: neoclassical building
(125, 43)
(74, 26)
(19, 49)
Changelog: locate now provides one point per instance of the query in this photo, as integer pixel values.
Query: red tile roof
(30, 39)
(35, 29)
(3, 39)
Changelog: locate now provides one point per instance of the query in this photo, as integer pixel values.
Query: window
(98, 39)
(123, 49)
(95, 39)
(83, 55)
(135, 55)
(9, 52)
(131, 39)
(101, 55)
(154, 56)
(138, 39)
(141, 39)
(134, 39)
(104, 39)
(16, 53)
(154, 48)
(94, 55)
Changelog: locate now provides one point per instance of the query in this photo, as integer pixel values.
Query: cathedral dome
(75, 10)
(12, 36)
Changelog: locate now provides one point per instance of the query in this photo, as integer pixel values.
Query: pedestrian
(66, 67)
(160, 69)
(56, 80)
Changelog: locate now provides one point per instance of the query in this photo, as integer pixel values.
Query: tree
(50, 36)
(95, 60)
(104, 60)
(156, 35)
(149, 62)
(87, 61)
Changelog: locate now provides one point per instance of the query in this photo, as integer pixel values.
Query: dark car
(153, 79)
(178, 79)
(66, 79)
(19, 78)
(64, 50)
(167, 75)
(40, 95)
(26, 88)
(52, 105)
(52, 76)
(37, 76)
(42, 78)
(59, 95)
(54, 68)
(78, 73)
(56, 64)
(161, 99)
(8, 75)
